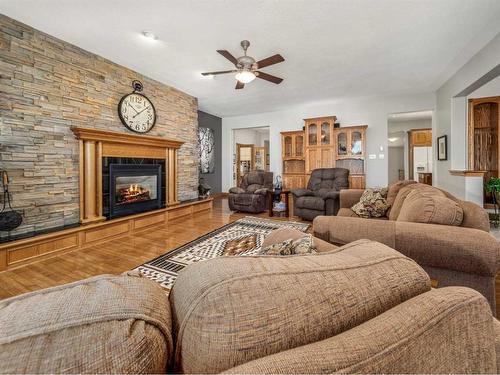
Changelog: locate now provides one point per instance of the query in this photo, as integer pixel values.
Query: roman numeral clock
(136, 111)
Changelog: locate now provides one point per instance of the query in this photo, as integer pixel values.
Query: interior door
(244, 160)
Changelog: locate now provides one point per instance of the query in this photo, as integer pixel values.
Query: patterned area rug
(240, 238)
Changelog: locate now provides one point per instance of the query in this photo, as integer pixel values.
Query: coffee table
(270, 197)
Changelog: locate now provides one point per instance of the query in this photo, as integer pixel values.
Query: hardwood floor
(117, 255)
(122, 254)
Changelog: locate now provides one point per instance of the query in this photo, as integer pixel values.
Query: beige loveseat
(463, 254)
(361, 308)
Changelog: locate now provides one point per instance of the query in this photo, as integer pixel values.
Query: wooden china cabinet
(321, 145)
(292, 154)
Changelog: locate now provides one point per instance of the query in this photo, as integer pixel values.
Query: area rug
(239, 238)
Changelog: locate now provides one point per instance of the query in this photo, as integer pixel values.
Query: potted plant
(493, 187)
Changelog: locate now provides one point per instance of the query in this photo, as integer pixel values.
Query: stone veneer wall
(48, 85)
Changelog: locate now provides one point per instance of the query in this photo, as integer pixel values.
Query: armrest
(230, 310)
(444, 246)
(349, 197)
(236, 190)
(261, 191)
(430, 333)
(302, 192)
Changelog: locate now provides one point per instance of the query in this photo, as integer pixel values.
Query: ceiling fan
(247, 68)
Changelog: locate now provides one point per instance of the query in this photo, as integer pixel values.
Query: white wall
(371, 111)
(395, 158)
(492, 88)
(451, 115)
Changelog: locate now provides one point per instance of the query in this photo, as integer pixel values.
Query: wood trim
(467, 173)
(28, 250)
(119, 137)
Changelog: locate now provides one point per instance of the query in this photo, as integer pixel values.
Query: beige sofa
(464, 254)
(361, 308)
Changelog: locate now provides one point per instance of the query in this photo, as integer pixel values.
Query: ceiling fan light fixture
(245, 76)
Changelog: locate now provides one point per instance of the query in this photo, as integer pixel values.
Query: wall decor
(206, 142)
(136, 111)
(442, 147)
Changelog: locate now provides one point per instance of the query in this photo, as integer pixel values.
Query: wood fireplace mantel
(96, 144)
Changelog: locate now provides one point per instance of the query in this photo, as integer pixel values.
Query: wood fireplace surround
(96, 144)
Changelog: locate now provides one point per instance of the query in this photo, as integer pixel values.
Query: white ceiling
(332, 48)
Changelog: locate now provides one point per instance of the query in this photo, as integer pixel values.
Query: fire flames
(133, 193)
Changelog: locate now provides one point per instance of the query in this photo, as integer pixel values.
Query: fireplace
(134, 188)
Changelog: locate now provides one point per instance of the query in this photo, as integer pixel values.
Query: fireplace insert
(134, 188)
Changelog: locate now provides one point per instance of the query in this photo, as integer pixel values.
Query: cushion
(372, 203)
(430, 207)
(393, 190)
(401, 196)
(231, 310)
(105, 324)
(261, 191)
(236, 190)
(282, 234)
(255, 178)
(302, 192)
(311, 203)
(302, 245)
(329, 178)
(327, 193)
(252, 188)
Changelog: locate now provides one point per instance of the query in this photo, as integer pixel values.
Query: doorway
(483, 140)
(251, 147)
(410, 151)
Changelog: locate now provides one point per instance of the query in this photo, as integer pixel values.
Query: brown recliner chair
(250, 196)
(322, 194)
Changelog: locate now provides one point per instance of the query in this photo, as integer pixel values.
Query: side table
(270, 198)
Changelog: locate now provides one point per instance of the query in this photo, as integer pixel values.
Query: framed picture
(442, 147)
(206, 144)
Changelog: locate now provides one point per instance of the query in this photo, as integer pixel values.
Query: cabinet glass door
(325, 133)
(299, 146)
(312, 134)
(288, 146)
(356, 143)
(342, 144)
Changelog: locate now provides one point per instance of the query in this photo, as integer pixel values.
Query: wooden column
(90, 182)
(172, 177)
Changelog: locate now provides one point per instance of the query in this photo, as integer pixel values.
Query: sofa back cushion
(430, 206)
(393, 190)
(401, 196)
(329, 178)
(231, 310)
(105, 324)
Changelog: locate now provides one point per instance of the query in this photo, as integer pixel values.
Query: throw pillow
(303, 245)
(373, 203)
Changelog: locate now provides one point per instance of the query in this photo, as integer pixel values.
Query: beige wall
(48, 85)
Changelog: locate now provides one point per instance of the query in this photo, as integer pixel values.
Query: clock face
(137, 112)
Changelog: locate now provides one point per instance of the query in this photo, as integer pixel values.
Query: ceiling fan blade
(269, 77)
(270, 61)
(219, 72)
(228, 56)
(239, 85)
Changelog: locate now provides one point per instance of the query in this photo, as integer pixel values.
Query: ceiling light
(393, 139)
(245, 76)
(149, 35)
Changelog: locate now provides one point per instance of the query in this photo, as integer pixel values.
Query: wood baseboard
(20, 252)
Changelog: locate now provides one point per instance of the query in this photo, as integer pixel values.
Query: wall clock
(136, 111)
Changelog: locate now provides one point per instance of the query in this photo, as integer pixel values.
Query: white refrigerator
(422, 161)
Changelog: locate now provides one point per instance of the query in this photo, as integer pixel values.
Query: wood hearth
(96, 144)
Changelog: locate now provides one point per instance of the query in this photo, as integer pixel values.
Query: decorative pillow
(431, 207)
(373, 203)
(303, 245)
